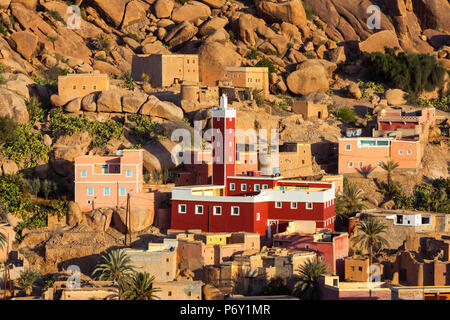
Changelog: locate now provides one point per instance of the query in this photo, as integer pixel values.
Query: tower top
(224, 102)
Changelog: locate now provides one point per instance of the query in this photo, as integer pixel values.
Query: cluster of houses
(225, 204)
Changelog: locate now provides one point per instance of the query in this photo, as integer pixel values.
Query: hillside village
(127, 157)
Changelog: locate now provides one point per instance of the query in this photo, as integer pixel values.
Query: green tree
(389, 167)
(350, 201)
(115, 266)
(46, 188)
(307, 287)
(35, 187)
(27, 279)
(140, 287)
(8, 128)
(369, 236)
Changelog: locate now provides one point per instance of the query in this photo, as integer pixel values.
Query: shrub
(253, 54)
(101, 42)
(411, 72)
(3, 30)
(143, 129)
(35, 110)
(232, 35)
(308, 11)
(27, 279)
(441, 104)
(24, 146)
(259, 99)
(345, 114)
(264, 62)
(128, 81)
(55, 15)
(133, 36)
(101, 132)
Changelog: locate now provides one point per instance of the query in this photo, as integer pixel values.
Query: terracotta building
(295, 159)
(105, 181)
(9, 233)
(252, 202)
(310, 110)
(80, 85)
(165, 70)
(356, 154)
(331, 247)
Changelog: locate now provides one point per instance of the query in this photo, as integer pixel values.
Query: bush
(143, 129)
(441, 104)
(264, 62)
(128, 81)
(3, 30)
(24, 145)
(101, 132)
(133, 36)
(345, 114)
(411, 72)
(259, 99)
(253, 54)
(434, 196)
(308, 11)
(35, 110)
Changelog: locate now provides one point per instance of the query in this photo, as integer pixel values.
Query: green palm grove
(116, 266)
(307, 287)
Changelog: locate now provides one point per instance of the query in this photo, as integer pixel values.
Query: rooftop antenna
(224, 101)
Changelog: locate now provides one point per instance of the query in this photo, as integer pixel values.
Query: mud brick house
(247, 77)
(80, 85)
(357, 154)
(310, 110)
(357, 268)
(166, 70)
(252, 202)
(295, 159)
(105, 181)
(331, 247)
(179, 290)
(333, 289)
(250, 273)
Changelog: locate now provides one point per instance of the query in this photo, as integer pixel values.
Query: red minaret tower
(224, 142)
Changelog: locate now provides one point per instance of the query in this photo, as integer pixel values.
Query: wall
(80, 85)
(161, 264)
(297, 163)
(179, 290)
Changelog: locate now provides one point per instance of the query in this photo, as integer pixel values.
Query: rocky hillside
(311, 48)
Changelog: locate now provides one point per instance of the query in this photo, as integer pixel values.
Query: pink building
(105, 181)
(356, 154)
(330, 247)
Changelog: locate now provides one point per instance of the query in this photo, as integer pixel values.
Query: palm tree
(2, 240)
(27, 279)
(307, 287)
(369, 235)
(389, 167)
(140, 287)
(350, 201)
(116, 266)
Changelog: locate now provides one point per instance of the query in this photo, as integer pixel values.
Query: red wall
(246, 221)
(250, 186)
(396, 125)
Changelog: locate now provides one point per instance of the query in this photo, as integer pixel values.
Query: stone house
(94, 290)
(74, 86)
(246, 77)
(166, 70)
(179, 290)
(248, 273)
(310, 110)
(295, 159)
(357, 268)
